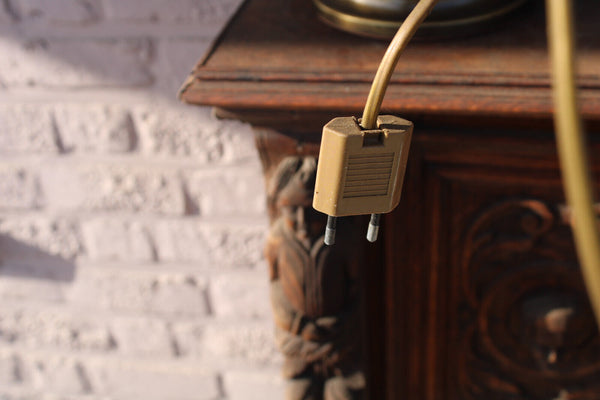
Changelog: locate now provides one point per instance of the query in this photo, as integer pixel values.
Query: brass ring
(385, 29)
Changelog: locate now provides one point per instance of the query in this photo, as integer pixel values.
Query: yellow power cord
(570, 143)
(390, 59)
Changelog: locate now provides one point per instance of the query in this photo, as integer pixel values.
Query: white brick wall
(131, 226)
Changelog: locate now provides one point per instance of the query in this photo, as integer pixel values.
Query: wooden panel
(486, 298)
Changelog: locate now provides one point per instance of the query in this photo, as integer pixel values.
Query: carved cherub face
(292, 189)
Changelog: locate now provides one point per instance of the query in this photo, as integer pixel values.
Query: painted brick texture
(73, 63)
(131, 226)
(168, 11)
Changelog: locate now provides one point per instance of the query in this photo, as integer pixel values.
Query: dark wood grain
(278, 55)
(489, 261)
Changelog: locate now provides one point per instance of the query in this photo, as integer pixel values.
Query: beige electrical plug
(361, 171)
(362, 163)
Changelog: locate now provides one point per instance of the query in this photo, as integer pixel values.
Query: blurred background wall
(131, 226)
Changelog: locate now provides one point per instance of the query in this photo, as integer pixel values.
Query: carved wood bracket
(315, 291)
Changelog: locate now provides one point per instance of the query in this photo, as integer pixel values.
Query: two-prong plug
(361, 171)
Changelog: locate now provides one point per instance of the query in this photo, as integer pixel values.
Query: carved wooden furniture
(473, 290)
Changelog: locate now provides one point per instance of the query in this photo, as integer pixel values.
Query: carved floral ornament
(528, 332)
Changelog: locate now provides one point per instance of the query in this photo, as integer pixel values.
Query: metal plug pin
(330, 230)
(373, 230)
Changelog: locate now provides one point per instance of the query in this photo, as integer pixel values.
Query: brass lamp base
(382, 18)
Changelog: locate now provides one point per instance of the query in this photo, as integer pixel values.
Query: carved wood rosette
(315, 291)
(526, 325)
